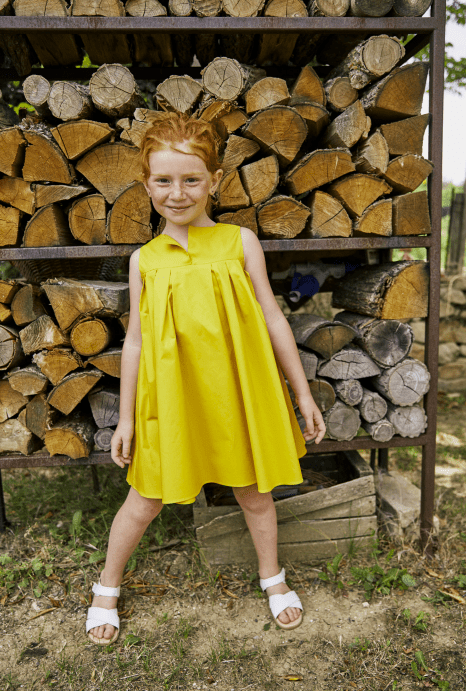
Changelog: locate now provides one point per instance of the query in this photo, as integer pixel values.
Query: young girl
(202, 397)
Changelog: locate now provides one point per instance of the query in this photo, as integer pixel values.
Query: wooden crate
(311, 526)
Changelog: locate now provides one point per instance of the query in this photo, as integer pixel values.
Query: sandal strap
(99, 616)
(273, 580)
(280, 602)
(100, 589)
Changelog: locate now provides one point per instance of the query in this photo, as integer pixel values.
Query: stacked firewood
(61, 364)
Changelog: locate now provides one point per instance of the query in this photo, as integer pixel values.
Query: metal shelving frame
(426, 30)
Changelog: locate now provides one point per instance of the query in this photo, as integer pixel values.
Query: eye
(192, 179)
(162, 180)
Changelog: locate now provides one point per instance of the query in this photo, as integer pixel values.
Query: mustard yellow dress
(212, 404)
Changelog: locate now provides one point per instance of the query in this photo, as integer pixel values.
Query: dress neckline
(186, 249)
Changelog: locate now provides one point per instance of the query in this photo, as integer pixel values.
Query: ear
(146, 188)
(216, 177)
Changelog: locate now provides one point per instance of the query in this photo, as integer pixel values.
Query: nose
(177, 192)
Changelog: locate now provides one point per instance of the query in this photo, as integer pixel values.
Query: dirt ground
(184, 625)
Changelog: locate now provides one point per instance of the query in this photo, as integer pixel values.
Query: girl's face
(179, 185)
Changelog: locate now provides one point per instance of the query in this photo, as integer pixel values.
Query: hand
(315, 426)
(121, 444)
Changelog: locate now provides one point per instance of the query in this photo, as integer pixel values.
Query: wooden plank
(456, 234)
(357, 507)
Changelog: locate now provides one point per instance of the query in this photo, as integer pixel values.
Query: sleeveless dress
(212, 404)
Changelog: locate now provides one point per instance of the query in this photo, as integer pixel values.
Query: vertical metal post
(4, 522)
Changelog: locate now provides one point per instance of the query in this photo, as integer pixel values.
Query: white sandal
(279, 602)
(99, 616)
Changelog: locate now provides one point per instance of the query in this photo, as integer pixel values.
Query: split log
(234, 120)
(348, 390)
(135, 131)
(11, 351)
(12, 149)
(11, 401)
(29, 380)
(72, 436)
(347, 128)
(340, 94)
(103, 48)
(318, 168)
(18, 193)
(69, 101)
(8, 289)
(269, 91)
(123, 321)
(57, 363)
(109, 361)
(26, 305)
(42, 333)
(282, 217)
(212, 110)
(245, 218)
(129, 219)
(375, 220)
(230, 192)
(150, 49)
(260, 178)
(48, 228)
(238, 150)
(405, 173)
(227, 79)
(357, 191)
(410, 8)
(315, 116)
(111, 168)
(179, 94)
(323, 394)
(114, 90)
(328, 217)
(349, 363)
(16, 46)
(405, 383)
(278, 130)
(105, 405)
(77, 138)
(370, 8)
(87, 218)
(66, 395)
(372, 155)
(277, 49)
(406, 136)
(309, 86)
(36, 90)
(103, 438)
(40, 416)
(16, 438)
(72, 299)
(395, 290)
(372, 406)
(411, 214)
(369, 60)
(90, 336)
(381, 430)
(398, 95)
(342, 421)
(328, 8)
(309, 362)
(319, 334)
(408, 421)
(9, 224)
(49, 194)
(44, 160)
(242, 8)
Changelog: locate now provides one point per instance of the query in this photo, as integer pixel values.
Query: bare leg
(261, 517)
(128, 526)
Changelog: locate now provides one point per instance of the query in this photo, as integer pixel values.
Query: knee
(251, 499)
(144, 509)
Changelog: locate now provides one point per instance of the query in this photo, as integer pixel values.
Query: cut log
(372, 155)
(103, 48)
(11, 351)
(328, 8)
(15, 46)
(16, 438)
(90, 336)
(103, 438)
(278, 130)
(72, 299)
(207, 8)
(369, 60)
(49, 194)
(328, 217)
(372, 406)
(111, 168)
(382, 430)
(234, 120)
(395, 290)
(40, 416)
(36, 90)
(28, 380)
(48, 228)
(135, 130)
(26, 305)
(57, 363)
(77, 138)
(227, 79)
(277, 49)
(410, 8)
(230, 192)
(282, 217)
(349, 363)
(180, 8)
(8, 289)
(315, 116)
(260, 179)
(18, 193)
(105, 405)
(346, 129)
(342, 421)
(406, 136)
(323, 394)
(87, 218)
(245, 218)
(398, 95)
(309, 362)
(238, 150)
(9, 226)
(318, 168)
(266, 92)
(150, 49)
(42, 333)
(408, 421)
(70, 101)
(319, 334)
(109, 361)
(405, 383)
(375, 220)
(405, 173)
(370, 8)
(11, 401)
(72, 436)
(114, 90)
(44, 160)
(212, 110)
(411, 214)
(180, 94)
(242, 8)
(129, 219)
(12, 149)
(66, 395)
(309, 86)
(357, 191)
(340, 94)
(348, 390)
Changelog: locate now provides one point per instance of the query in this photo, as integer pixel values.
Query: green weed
(378, 578)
